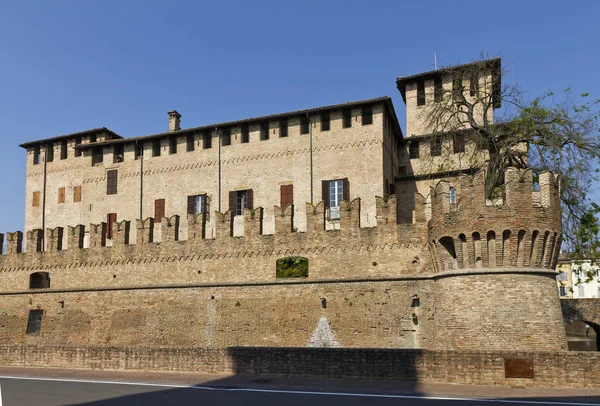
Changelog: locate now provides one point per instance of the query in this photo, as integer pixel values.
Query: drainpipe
(141, 149)
(44, 199)
(310, 136)
(219, 146)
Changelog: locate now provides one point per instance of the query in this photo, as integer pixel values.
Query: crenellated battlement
(519, 229)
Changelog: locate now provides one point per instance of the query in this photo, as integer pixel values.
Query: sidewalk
(309, 384)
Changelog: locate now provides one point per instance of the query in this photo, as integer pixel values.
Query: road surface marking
(299, 392)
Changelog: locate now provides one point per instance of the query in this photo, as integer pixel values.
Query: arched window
(39, 280)
(292, 267)
(452, 195)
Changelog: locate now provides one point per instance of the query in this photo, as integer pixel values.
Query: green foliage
(292, 267)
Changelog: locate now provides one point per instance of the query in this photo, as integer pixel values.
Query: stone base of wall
(556, 369)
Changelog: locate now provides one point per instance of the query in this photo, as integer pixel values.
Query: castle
(172, 239)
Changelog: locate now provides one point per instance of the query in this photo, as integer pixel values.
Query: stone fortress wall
(414, 285)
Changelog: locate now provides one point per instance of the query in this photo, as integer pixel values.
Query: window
(286, 195)
(245, 134)
(413, 149)
(562, 276)
(457, 87)
(63, 149)
(197, 204)
(118, 153)
(304, 123)
(367, 115)
(420, 93)
(36, 155)
(347, 118)
(581, 291)
(159, 210)
(50, 152)
(225, 137)
(138, 150)
(34, 323)
(39, 280)
(173, 145)
(335, 191)
(110, 219)
(240, 200)
(436, 146)
(283, 128)
(207, 140)
(111, 182)
(452, 195)
(77, 194)
(61, 195)
(458, 143)
(291, 267)
(155, 147)
(93, 138)
(438, 90)
(189, 143)
(473, 85)
(36, 199)
(97, 156)
(264, 130)
(325, 122)
(77, 143)
(562, 291)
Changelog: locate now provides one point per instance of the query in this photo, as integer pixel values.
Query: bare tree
(522, 131)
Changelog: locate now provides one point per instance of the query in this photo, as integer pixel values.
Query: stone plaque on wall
(518, 368)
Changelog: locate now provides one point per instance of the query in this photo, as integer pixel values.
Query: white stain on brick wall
(323, 336)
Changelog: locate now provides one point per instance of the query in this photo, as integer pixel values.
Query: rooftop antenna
(435, 61)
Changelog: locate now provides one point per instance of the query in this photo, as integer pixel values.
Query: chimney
(174, 120)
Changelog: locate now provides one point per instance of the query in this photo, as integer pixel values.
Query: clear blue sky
(69, 66)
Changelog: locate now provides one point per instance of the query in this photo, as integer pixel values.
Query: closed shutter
(111, 182)
(190, 204)
(287, 195)
(36, 199)
(250, 201)
(345, 189)
(77, 194)
(232, 202)
(110, 219)
(325, 192)
(159, 210)
(61, 195)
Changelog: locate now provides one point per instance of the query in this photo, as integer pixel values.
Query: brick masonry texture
(415, 285)
(550, 369)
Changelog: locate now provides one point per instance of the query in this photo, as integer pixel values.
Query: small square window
(245, 134)
(346, 118)
(77, 150)
(436, 146)
(118, 155)
(34, 322)
(264, 130)
(207, 140)
(63, 149)
(173, 145)
(367, 115)
(283, 128)
(189, 143)
(413, 149)
(420, 93)
(225, 137)
(50, 152)
(197, 204)
(36, 155)
(138, 150)
(325, 122)
(304, 123)
(155, 147)
(97, 156)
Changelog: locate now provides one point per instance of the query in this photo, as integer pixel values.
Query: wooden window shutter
(159, 210)
(36, 199)
(77, 194)
(61, 195)
(345, 189)
(325, 192)
(190, 204)
(250, 197)
(110, 219)
(287, 195)
(232, 196)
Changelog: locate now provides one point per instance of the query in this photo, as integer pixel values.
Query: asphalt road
(50, 392)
